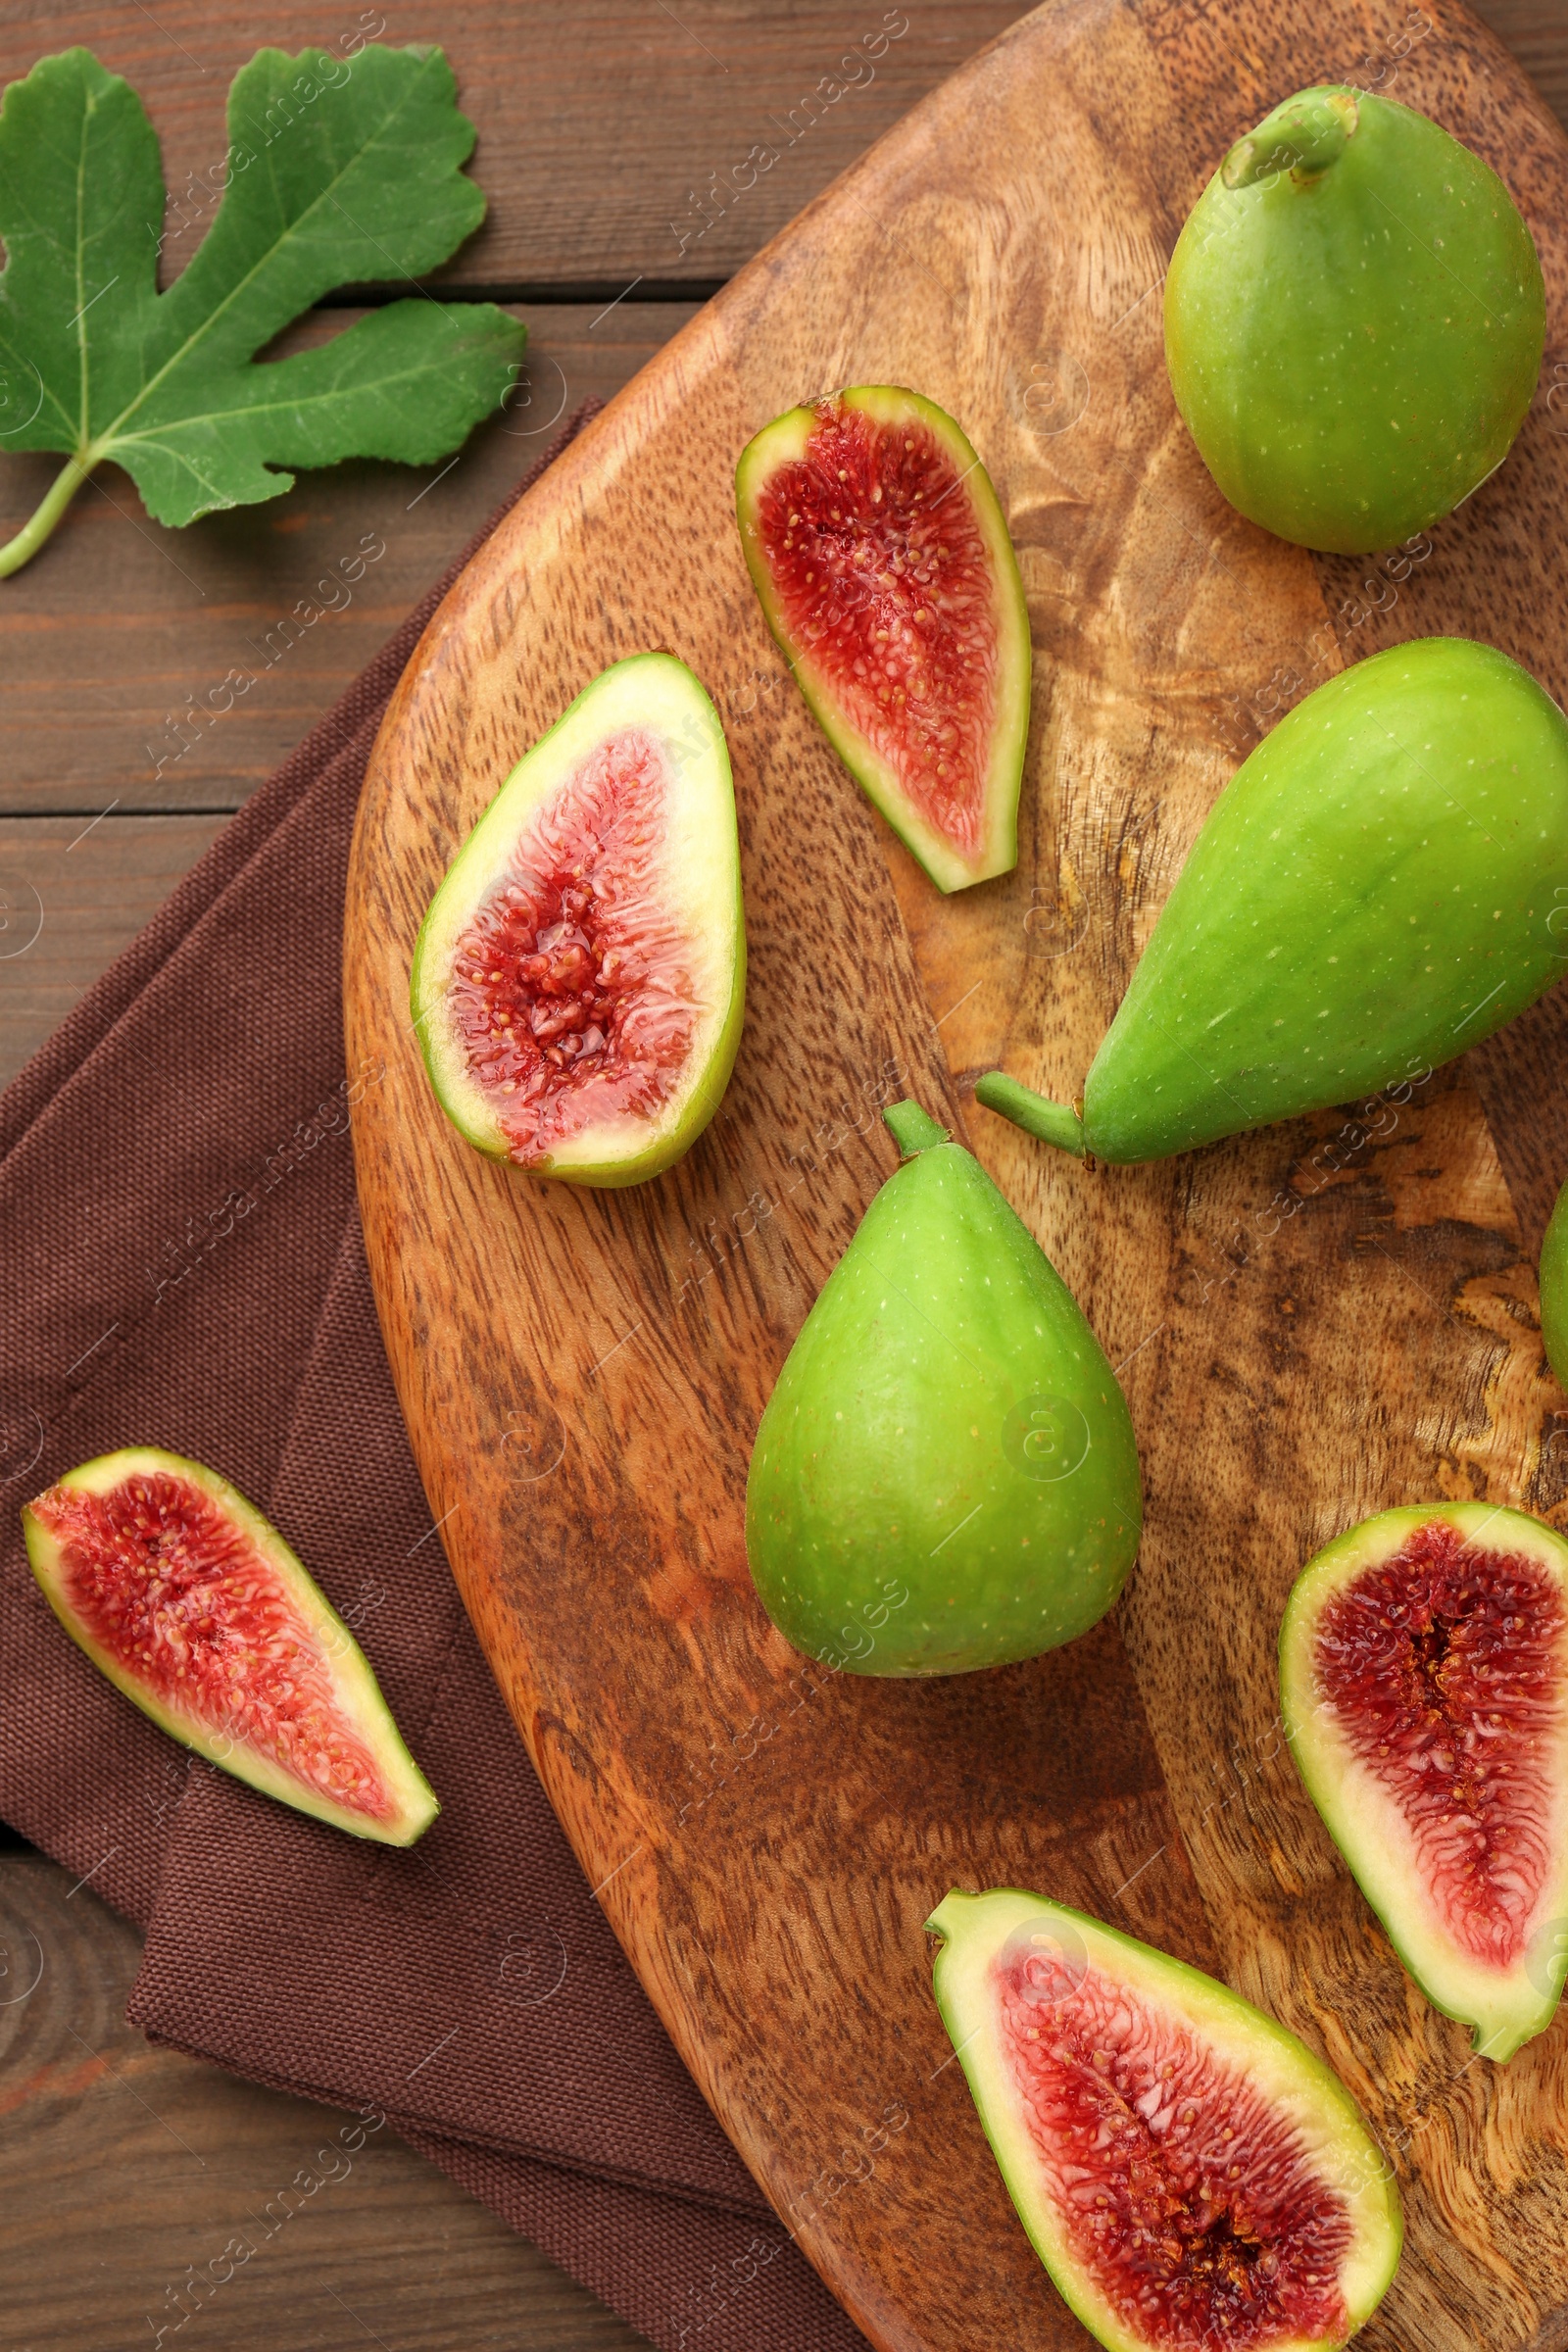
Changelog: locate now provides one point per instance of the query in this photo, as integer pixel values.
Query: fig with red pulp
(195, 1607)
(1424, 1687)
(882, 560)
(579, 981)
(1192, 2177)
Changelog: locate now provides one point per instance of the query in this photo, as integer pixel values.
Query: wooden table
(606, 130)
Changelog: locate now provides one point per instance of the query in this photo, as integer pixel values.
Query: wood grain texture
(121, 637)
(126, 2169)
(165, 669)
(1314, 1322)
(560, 93)
(72, 895)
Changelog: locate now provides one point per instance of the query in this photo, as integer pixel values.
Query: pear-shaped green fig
(579, 981)
(945, 1476)
(1354, 316)
(1381, 884)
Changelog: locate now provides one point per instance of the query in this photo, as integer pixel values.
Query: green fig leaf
(340, 171)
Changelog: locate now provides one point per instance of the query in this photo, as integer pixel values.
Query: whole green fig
(945, 1476)
(1381, 884)
(1354, 318)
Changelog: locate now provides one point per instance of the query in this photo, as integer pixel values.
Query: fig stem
(1303, 137)
(913, 1129)
(36, 530)
(1053, 1122)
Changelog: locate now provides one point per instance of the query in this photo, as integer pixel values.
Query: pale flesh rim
(354, 1686)
(701, 874)
(783, 442)
(1298, 2087)
(1366, 1825)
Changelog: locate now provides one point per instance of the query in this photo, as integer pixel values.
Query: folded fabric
(186, 1270)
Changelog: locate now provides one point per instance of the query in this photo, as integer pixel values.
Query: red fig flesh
(1193, 2177)
(195, 1607)
(1424, 1680)
(578, 984)
(881, 557)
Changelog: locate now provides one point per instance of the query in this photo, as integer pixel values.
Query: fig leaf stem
(1053, 1122)
(913, 1130)
(41, 521)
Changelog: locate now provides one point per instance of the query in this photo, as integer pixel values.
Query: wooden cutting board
(1312, 1323)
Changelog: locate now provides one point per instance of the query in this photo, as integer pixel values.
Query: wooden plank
(173, 669)
(129, 646)
(1379, 1351)
(73, 893)
(1537, 33)
(128, 2172)
(617, 139)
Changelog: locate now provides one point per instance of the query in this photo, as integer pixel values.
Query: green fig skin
(1353, 342)
(945, 1477)
(1554, 1289)
(1378, 887)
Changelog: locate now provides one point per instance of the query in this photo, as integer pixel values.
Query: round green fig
(945, 1476)
(1381, 884)
(1354, 316)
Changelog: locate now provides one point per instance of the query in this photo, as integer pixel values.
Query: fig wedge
(578, 984)
(1423, 1691)
(194, 1606)
(882, 559)
(1192, 2177)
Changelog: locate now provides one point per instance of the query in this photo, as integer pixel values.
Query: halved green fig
(1191, 2176)
(1423, 1688)
(1354, 318)
(945, 1476)
(579, 981)
(195, 1607)
(1554, 1289)
(1375, 889)
(882, 560)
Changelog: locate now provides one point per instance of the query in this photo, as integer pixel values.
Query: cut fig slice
(884, 567)
(1423, 1688)
(1191, 2176)
(195, 1607)
(579, 980)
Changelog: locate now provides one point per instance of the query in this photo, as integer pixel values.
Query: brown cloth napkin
(185, 1269)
